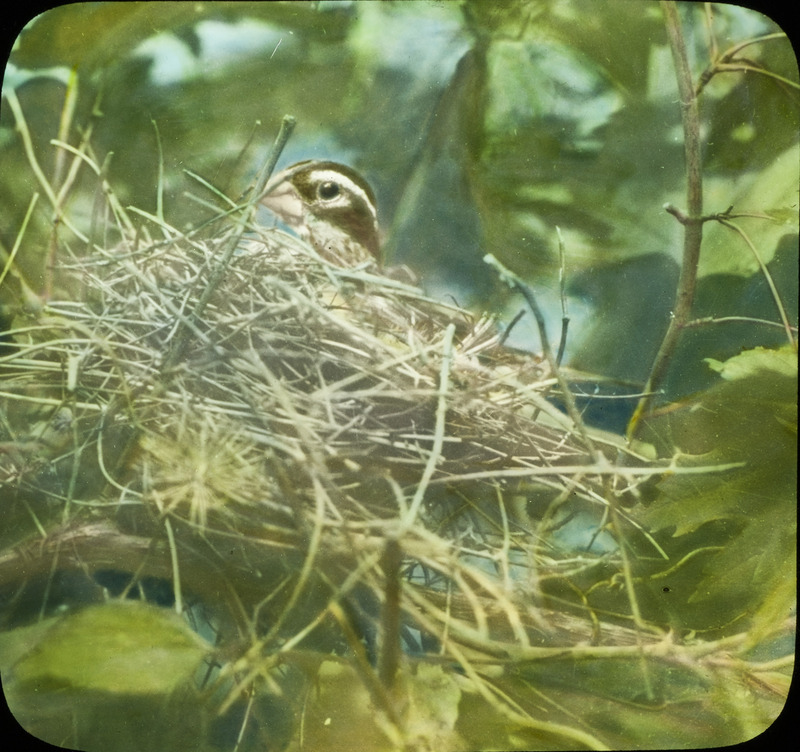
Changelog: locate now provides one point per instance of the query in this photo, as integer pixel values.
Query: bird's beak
(284, 202)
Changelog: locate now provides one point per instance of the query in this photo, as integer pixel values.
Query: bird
(331, 206)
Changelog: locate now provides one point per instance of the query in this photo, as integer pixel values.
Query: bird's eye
(328, 190)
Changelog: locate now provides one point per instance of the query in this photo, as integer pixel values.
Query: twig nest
(285, 415)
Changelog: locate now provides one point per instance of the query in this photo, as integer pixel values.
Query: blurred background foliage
(483, 127)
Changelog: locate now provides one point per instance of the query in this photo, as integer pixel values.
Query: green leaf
(744, 519)
(119, 647)
(771, 192)
(751, 418)
(59, 35)
(759, 360)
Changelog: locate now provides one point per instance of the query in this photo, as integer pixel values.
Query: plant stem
(692, 221)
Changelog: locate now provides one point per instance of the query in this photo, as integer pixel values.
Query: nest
(309, 452)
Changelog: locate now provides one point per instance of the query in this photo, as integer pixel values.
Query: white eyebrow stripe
(348, 184)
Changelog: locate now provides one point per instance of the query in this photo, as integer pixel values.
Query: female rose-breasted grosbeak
(331, 206)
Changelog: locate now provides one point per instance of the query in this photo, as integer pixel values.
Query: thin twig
(562, 284)
(711, 320)
(30, 153)
(767, 276)
(439, 430)
(724, 62)
(176, 572)
(181, 339)
(513, 281)
(160, 181)
(8, 266)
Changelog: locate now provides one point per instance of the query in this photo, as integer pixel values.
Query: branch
(692, 221)
(729, 62)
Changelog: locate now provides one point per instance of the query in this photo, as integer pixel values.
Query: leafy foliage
(123, 648)
(747, 422)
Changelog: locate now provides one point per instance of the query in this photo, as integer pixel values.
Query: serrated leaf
(749, 417)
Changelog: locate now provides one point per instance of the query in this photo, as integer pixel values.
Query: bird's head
(330, 205)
